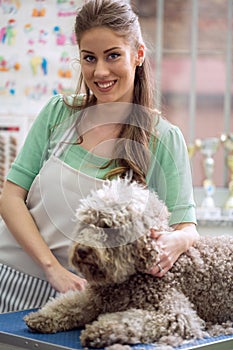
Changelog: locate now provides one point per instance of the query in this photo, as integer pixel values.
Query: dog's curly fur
(122, 303)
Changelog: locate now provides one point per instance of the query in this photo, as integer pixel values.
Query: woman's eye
(89, 58)
(113, 56)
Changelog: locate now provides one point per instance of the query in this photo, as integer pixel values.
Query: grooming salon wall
(190, 46)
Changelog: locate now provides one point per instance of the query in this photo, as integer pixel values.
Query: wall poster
(38, 53)
(38, 59)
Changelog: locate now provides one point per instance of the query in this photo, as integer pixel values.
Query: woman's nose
(101, 69)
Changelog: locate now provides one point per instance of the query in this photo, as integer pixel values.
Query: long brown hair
(131, 151)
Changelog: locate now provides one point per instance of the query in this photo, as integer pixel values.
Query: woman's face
(108, 65)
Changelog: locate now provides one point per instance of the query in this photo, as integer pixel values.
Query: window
(191, 45)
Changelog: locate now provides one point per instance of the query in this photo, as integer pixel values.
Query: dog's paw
(97, 335)
(91, 336)
(40, 322)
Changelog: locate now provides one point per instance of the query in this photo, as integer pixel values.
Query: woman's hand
(63, 280)
(172, 245)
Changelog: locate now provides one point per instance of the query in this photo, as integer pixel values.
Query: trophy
(208, 147)
(191, 150)
(228, 143)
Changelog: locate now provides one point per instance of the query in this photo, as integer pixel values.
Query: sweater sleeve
(35, 150)
(170, 174)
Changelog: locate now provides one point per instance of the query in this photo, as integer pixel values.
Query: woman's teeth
(105, 85)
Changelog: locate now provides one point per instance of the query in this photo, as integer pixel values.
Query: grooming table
(14, 335)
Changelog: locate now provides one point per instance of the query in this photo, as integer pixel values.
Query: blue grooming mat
(14, 333)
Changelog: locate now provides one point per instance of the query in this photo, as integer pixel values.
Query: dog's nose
(83, 252)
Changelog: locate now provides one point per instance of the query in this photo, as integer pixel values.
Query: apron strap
(63, 143)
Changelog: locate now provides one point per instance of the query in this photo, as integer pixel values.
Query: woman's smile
(105, 85)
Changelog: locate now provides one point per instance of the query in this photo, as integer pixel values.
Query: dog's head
(112, 234)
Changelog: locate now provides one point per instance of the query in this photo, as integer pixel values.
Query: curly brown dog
(123, 304)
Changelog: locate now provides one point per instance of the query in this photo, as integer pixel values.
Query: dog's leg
(126, 327)
(174, 321)
(67, 311)
(179, 318)
(123, 327)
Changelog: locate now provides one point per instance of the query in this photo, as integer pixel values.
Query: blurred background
(190, 46)
(192, 54)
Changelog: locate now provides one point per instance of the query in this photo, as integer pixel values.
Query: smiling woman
(121, 52)
(75, 144)
(108, 65)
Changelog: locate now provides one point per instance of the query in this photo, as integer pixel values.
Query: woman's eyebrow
(105, 51)
(112, 48)
(86, 51)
